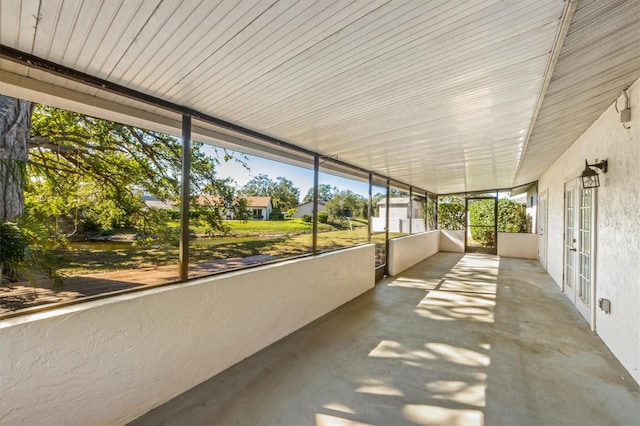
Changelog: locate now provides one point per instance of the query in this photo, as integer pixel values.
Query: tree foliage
(95, 173)
(512, 216)
(375, 199)
(87, 174)
(346, 204)
(451, 214)
(284, 195)
(23, 246)
(325, 193)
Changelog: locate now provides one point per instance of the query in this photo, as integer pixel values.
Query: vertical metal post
(316, 173)
(410, 210)
(370, 208)
(386, 229)
(184, 197)
(495, 222)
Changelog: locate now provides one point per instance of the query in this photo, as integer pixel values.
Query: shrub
(451, 215)
(323, 217)
(512, 216)
(307, 218)
(481, 219)
(14, 249)
(276, 216)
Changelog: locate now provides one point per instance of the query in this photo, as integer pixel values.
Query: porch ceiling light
(590, 177)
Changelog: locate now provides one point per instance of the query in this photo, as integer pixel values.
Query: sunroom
(463, 110)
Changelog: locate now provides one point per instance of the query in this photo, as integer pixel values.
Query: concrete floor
(455, 340)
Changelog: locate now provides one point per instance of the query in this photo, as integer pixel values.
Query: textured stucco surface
(523, 246)
(617, 269)
(404, 252)
(109, 361)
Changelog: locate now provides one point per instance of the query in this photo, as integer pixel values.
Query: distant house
(307, 208)
(260, 208)
(402, 211)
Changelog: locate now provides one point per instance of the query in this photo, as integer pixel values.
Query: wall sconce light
(590, 177)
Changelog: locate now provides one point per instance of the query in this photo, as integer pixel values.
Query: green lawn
(263, 227)
(273, 226)
(286, 238)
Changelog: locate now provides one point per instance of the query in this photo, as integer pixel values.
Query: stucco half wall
(111, 360)
(452, 241)
(404, 252)
(523, 246)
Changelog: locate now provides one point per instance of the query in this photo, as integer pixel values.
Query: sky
(301, 178)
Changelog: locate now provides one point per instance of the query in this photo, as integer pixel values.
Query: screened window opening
(343, 214)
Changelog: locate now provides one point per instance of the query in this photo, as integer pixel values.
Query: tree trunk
(15, 132)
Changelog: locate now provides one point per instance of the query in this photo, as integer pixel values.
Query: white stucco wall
(452, 241)
(395, 212)
(523, 246)
(378, 224)
(111, 360)
(307, 208)
(404, 252)
(617, 251)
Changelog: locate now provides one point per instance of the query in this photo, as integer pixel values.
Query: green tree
(69, 171)
(375, 199)
(325, 193)
(97, 172)
(284, 194)
(258, 186)
(345, 204)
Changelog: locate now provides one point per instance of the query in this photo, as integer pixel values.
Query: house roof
(259, 201)
(218, 201)
(209, 200)
(403, 201)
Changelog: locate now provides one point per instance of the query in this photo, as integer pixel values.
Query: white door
(579, 240)
(542, 229)
(570, 241)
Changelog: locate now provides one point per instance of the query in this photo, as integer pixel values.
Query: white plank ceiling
(439, 94)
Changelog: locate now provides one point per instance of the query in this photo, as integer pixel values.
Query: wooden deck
(27, 295)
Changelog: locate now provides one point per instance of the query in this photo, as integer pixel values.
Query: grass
(286, 238)
(263, 227)
(274, 227)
